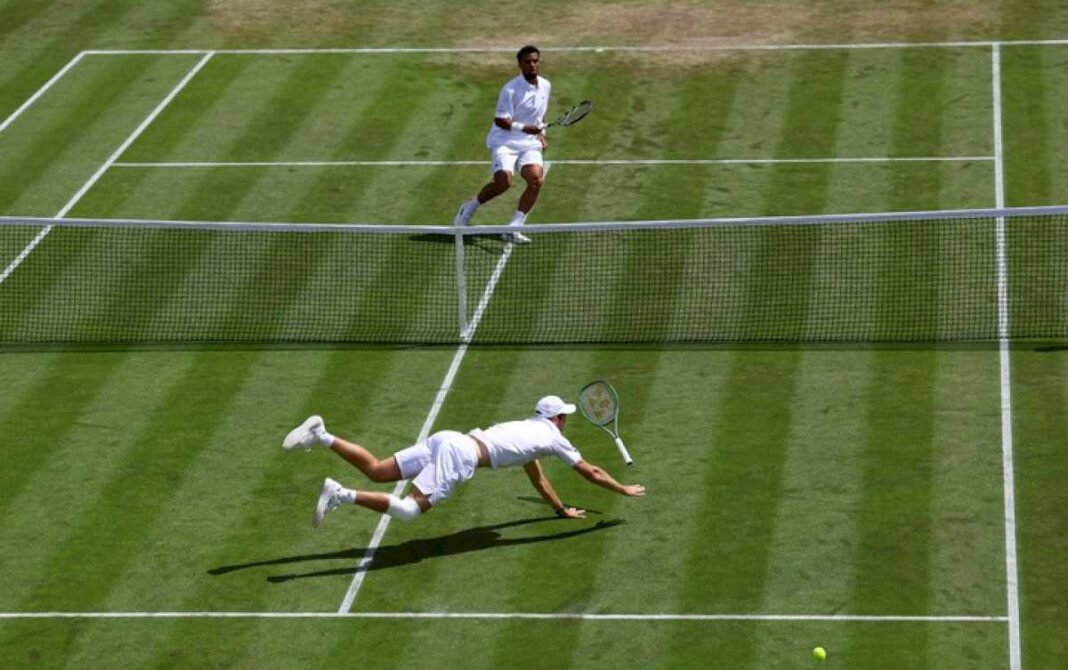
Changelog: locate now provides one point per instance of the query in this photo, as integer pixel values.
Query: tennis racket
(599, 403)
(573, 115)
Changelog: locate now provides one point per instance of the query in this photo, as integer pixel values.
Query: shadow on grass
(414, 551)
(489, 243)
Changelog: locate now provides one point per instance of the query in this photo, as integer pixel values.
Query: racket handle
(623, 451)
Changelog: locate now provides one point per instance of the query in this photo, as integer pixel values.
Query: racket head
(599, 403)
(575, 114)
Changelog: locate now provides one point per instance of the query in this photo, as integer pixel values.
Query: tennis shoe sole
(306, 435)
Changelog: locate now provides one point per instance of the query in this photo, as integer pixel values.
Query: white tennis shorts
(450, 458)
(509, 158)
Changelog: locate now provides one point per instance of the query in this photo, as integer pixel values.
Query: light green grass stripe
(966, 563)
(50, 404)
(82, 572)
(78, 462)
(738, 584)
(1032, 87)
(244, 501)
(1041, 431)
(814, 535)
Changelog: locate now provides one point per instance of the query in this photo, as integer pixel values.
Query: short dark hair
(528, 49)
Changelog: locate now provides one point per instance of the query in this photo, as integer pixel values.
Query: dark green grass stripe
(729, 555)
(93, 19)
(48, 412)
(893, 562)
(778, 283)
(19, 172)
(83, 571)
(1025, 117)
(1040, 433)
(257, 531)
(15, 13)
(660, 260)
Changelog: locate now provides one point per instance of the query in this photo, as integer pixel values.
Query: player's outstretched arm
(546, 491)
(597, 475)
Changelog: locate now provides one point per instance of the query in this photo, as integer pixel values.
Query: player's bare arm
(599, 476)
(545, 490)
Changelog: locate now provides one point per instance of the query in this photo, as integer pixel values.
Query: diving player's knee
(404, 509)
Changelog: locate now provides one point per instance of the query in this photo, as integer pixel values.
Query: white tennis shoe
(328, 501)
(463, 217)
(307, 435)
(516, 238)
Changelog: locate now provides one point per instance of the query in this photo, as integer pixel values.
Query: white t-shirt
(519, 442)
(523, 102)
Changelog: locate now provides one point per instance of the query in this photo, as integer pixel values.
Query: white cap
(553, 405)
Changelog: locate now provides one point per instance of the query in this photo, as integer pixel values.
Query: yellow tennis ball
(820, 653)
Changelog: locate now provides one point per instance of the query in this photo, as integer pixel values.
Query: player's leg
(333, 495)
(503, 160)
(312, 433)
(534, 175)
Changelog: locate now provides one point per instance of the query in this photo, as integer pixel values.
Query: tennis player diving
(516, 138)
(449, 458)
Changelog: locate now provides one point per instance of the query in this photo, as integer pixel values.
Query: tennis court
(851, 495)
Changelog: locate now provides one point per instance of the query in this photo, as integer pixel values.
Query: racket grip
(623, 451)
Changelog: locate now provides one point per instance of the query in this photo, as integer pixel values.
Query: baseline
(583, 616)
(565, 161)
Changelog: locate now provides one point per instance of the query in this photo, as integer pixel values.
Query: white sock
(347, 496)
(474, 203)
(326, 439)
(518, 219)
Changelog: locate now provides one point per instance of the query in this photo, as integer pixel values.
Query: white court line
(573, 161)
(606, 48)
(41, 91)
(866, 618)
(13, 265)
(1012, 594)
(439, 400)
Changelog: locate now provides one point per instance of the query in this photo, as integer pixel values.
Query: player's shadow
(414, 551)
(489, 243)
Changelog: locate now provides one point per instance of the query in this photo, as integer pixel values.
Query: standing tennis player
(516, 138)
(449, 458)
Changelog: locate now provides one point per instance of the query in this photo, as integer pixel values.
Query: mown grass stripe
(79, 460)
(764, 379)
(82, 572)
(893, 562)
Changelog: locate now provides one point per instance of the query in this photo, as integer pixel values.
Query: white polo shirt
(523, 102)
(519, 442)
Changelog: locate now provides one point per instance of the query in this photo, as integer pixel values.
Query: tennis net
(966, 275)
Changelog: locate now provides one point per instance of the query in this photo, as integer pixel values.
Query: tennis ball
(820, 653)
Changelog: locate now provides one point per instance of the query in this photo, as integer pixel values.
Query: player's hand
(572, 513)
(544, 142)
(634, 490)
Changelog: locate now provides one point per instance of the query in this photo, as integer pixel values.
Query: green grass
(790, 479)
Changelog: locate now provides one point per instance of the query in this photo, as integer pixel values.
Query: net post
(461, 284)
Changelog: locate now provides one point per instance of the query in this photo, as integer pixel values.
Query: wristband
(518, 126)
(561, 513)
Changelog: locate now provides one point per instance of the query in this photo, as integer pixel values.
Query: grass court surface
(852, 497)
